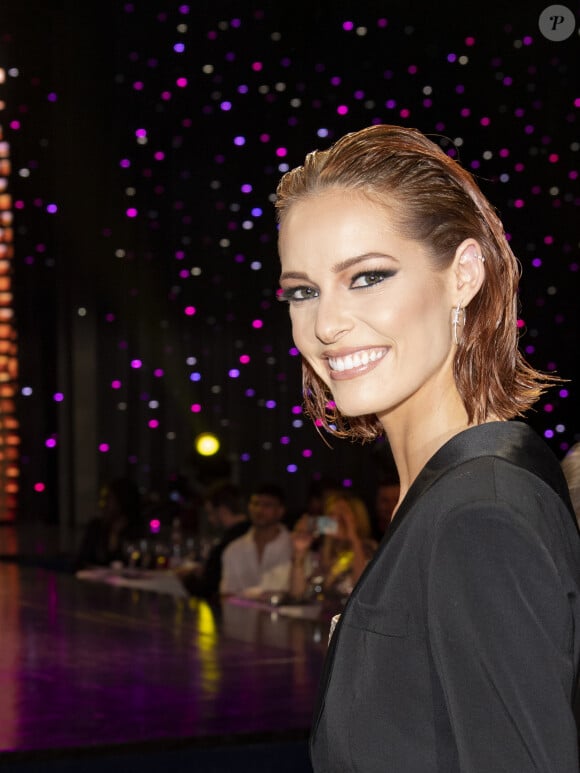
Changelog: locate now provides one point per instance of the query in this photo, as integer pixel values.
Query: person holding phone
(334, 547)
(458, 650)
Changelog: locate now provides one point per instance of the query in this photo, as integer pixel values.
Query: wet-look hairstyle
(431, 199)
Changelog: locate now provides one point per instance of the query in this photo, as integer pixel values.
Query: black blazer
(458, 649)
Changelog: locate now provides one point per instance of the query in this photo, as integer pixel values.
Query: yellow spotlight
(207, 444)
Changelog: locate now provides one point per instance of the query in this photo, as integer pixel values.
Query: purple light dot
(184, 274)
(485, 121)
(116, 384)
(347, 26)
(519, 203)
(136, 364)
(257, 323)
(342, 109)
(159, 155)
(285, 440)
(226, 106)
(548, 240)
(50, 442)
(548, 408)
(527, 40)
(405, 113)
(307, 453)
(189, 311)
(246, 188)
(179, 48)
(390, 104)
(347, 483)
(245, 359)
(292, 468)
(530, 349)
(250, 392)
(270, 404)
(549, 433)
(264, 138)
(293, 352)
(234, 373)
(196, 408)
(245, 457)
(166, 95)
(257, 66)
(451, 57)
(15, 125)
(103, 447)
(181, 83)
(138, 85)
(239, 141)
(536, 262)
(124, 163)
(58, 397)
(154, 525)
(257, 212)
(153, 423)
(296, 409)
(141, 133)
(563, 393)
(195, 376)
(131, 212)
(52, 97)
(281, 152)
(318, 422)
(529, 129)
(382, 22)
(469, 41)
(158, 372)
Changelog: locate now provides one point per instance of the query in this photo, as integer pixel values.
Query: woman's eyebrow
(349, 262)
(340, 266)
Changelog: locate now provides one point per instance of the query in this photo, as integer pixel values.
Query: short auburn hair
(433, 200)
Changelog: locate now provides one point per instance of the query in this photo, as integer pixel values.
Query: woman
(344, 550)
(458, 649)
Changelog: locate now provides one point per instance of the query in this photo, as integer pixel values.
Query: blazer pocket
(384, 619)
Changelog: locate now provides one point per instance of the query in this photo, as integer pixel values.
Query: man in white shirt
(259, 560)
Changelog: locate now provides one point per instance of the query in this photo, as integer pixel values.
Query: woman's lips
(355, 363)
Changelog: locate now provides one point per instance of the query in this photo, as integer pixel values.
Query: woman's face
(369, 312)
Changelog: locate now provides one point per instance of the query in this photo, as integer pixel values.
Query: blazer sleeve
(501, 633)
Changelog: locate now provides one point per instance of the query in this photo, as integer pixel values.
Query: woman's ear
(469, 268)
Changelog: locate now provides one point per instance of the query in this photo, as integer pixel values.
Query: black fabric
(458, 649)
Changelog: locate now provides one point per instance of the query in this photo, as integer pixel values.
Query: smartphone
(324, 524)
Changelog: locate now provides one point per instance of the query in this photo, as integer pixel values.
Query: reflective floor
(91, 664)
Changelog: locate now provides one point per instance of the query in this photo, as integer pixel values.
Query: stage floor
(90, 665)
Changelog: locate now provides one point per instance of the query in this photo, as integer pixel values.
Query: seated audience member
(225, 507)
(344, 549)
(571, 470)
(259, 561)
(119, 520)
(386, 499)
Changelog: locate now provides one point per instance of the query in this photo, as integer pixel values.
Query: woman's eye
(291, 294)
(370, 278)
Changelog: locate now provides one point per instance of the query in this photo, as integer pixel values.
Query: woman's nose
(332, 321)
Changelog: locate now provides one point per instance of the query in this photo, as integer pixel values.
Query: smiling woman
(450, 654)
